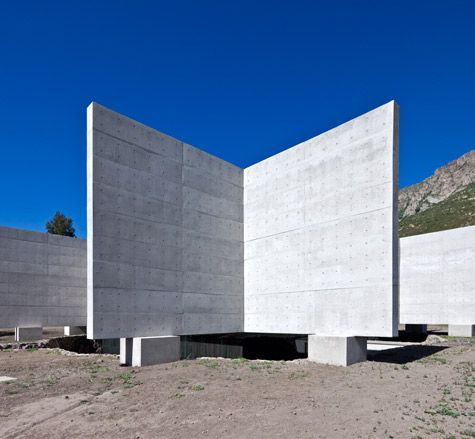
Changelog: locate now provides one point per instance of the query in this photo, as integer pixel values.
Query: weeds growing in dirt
(128, 379)
(197, 387)
(213, 364)
(444, 410)
(437, 430)
(260, 365)
(52, 380)
(239, 361)
(298, 375)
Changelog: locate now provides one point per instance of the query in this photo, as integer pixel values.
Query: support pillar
(74, 330)
(416, 329)
(145, 351)
(461, 330)
(28, 333)
(337, 351)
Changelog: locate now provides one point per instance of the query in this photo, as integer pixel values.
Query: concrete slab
(336, 351)
(5, 379)
(28, 333)
(165, 234)
(146, 351)
(437, 281)
(42, 279)
(320, 233)
(462, 330)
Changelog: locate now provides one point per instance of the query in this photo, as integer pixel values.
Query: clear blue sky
(242, 80)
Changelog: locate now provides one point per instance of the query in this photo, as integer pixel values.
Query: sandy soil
(418, 392)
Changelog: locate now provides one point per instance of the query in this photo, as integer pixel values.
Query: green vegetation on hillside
(458, 210)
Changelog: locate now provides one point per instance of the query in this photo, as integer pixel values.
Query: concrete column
(416, 329)
(74, 330)
(337, 351)
(126, 351)
(462, 330)
(28, 333)
(145, 351)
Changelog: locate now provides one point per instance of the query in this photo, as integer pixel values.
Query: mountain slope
(447, 180)
(458, 210)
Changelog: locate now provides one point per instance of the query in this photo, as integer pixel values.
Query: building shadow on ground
(406, 354)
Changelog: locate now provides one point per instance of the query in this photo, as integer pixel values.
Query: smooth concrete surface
(321, 233)
(146, 351)
(416, 329)
(125, 354)
(437, 283)
(462, 330)
(42, 279)
(167, 224)
(6, 379)
(337, 351)
(165, 234)
(28, 333)
(75, 330)
(110, 346)
(377, 345)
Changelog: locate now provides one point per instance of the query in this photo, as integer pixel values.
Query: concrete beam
(462, 330)
(146, 351)
(28, 333)
(336, 351)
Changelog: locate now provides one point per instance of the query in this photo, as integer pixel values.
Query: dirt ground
(413, 392)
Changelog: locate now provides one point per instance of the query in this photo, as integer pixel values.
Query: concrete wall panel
(320, 233)
(438, 278)
(165, 234)
(181, 242)
(42, 279)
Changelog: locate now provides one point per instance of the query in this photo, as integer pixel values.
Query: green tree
(61, 225)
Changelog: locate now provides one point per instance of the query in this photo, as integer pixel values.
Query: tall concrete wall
(42, 279)
(165, 234)
(437, 283)
(320, 233)
(167, 224)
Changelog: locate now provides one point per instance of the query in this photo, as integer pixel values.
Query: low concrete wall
(42, 279)
(437, 284)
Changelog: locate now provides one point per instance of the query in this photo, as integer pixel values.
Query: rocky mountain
(442, 201)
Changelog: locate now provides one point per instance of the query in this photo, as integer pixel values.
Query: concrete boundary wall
(180, 244)
(42, 279)
(437, 283)
(320, 233)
